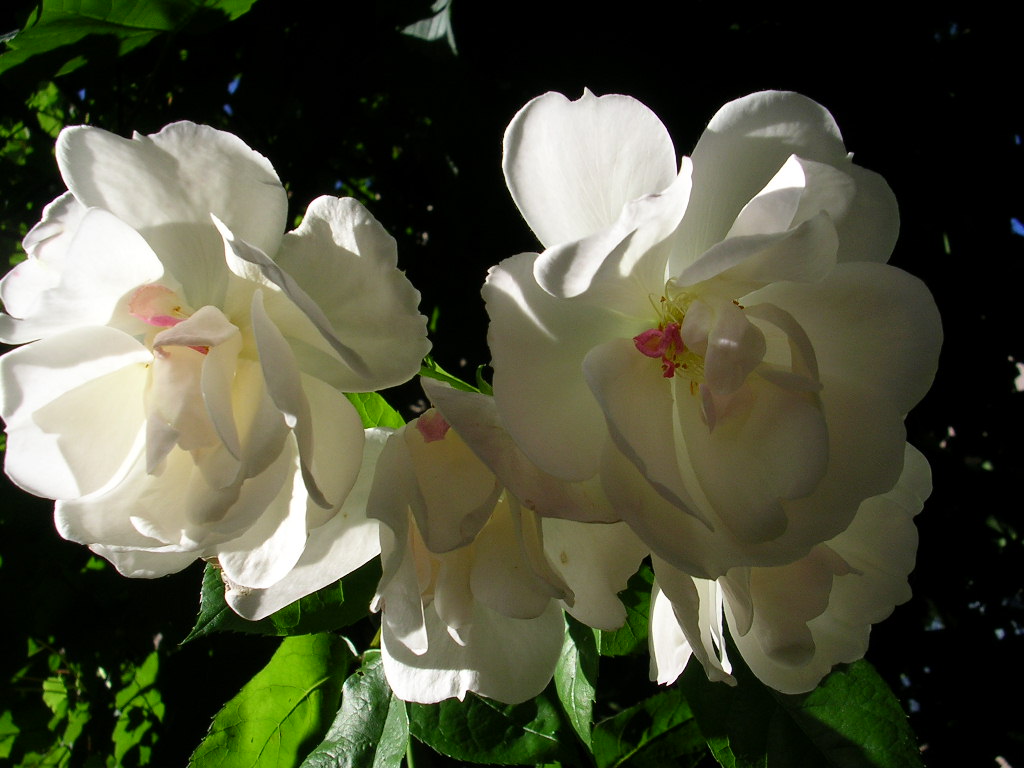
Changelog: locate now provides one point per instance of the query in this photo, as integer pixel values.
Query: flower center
(159, 306)
(665, 341)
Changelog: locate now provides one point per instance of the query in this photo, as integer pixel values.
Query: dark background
(342, 103)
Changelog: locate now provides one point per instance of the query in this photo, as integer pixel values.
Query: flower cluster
(709, 365)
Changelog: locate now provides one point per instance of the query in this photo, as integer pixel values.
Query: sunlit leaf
(283, 711)
(374, 410)
(140, 708)
(131, 23)
(371, 729)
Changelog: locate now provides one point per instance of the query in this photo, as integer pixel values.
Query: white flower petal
(879, 548)
(46, 244)
(284, 384)
(596, 561)
(105, 260)
(697, 612)
(869, 323)
(476, 421)
(744, 146)
(448, 520)
(180, 175)
(537, 346)
(58, 395)
(372, 311)
(768, 444)
(272, 544)
(638, 405)
(572, 165)
(627, 248)
(502, 578)
(510, 660)
(333, 550)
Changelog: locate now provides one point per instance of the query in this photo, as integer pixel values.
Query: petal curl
(105, 260)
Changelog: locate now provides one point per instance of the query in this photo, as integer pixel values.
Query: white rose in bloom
(474, 580)
(181, 396)
(723, 345)
(793, 623)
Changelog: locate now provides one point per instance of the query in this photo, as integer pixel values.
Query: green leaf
(660, 731)
(343, 603)
(631, 637)
(140, 708)
(851, 720)
(374, 410)
(8, 733)
(432, 370)
(131, 23)
(576, 676)
(481, 730)
(284, 711)
(371, 729)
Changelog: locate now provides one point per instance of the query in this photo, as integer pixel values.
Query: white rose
(722, 344)
(181, 396)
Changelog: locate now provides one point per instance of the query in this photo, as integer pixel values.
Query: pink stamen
(665, 343)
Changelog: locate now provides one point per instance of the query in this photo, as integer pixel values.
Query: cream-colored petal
(572, 165)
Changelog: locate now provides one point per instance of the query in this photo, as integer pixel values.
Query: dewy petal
(58, 394)
(572, 165)
(745, 144)
(371, 308)
(180, 175)
(509, 660)
(333, 550)
(104, 262)
(538, 344)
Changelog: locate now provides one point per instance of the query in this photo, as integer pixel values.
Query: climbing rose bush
(180, 388)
